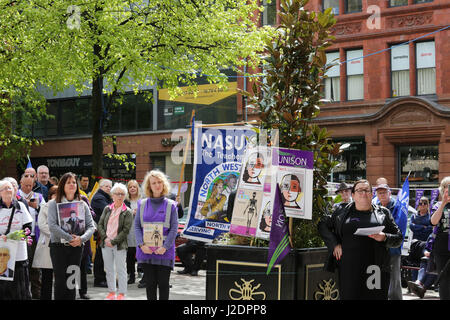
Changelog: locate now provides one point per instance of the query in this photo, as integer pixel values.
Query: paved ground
(183, 288)
(193, 288)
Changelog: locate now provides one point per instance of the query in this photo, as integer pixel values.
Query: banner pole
(291, 225)
(230, 124)
(188, 143)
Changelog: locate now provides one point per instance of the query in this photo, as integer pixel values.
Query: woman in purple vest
(156, 226)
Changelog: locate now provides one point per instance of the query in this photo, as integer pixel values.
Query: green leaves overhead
(123, 44)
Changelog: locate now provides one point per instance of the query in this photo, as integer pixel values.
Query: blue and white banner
(218, 157)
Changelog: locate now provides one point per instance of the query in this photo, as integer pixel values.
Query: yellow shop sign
(207, 94)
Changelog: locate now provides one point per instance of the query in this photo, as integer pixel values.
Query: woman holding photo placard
(156, 212)
(66, 248)
(362, 261)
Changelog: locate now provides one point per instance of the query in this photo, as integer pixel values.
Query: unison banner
(218, 157)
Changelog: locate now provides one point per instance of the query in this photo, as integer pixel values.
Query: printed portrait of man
(4, 259)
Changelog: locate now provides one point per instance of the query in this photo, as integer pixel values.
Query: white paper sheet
(368, 231)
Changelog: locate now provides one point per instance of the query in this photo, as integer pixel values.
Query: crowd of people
(137, 224)
(63, 219)
(375, 260)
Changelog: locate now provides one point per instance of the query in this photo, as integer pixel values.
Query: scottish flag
(400, 212)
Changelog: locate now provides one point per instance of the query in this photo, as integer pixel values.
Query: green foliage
(289, 99)
(124, 45)
(19, 110)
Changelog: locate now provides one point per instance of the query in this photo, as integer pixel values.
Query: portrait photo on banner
(293, 172)
(71, 217)
(8, 251)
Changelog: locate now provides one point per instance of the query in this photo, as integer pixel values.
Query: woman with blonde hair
(156, 213)
(134, 195)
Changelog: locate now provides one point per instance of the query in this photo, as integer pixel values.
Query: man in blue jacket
(401, 219)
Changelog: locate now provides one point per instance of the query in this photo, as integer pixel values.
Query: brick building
(392, 107)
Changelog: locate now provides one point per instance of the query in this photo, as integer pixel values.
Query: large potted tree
(288, 98)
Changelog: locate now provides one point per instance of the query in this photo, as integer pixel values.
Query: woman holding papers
(156, 214)
(66, 248)
(362, 259)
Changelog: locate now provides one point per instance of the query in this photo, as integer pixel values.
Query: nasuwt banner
(218, 158)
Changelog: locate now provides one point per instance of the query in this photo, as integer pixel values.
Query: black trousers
(444, 282)
(35, 273)
(186, 251)
(157, 276)
(131, 262)
(47, 284)
(99, 268)
(65, 259)
(83, 275)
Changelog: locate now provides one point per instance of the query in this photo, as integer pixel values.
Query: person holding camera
(441, 245)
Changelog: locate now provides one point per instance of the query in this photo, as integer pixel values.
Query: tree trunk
(97, 126)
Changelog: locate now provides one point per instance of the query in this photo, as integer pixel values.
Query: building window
(212, 104)
(353, 6)
(426, 68)
(355, 75)
(158, 163)
(332, 82)
(400, 71)
(421, 162)
(135, 113)
(269, 15)
(331, 4)
(352, 161)
(422, 1)
(397, 3)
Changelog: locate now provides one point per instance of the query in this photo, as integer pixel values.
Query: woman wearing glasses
(113, 228)
(362, 261)
(420, 224)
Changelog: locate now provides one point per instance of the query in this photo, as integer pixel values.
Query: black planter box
(239, 273)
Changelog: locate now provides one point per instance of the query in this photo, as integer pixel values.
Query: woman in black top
(441, 246)
(362, 261)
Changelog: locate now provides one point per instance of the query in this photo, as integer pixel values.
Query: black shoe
(101, 284)
(194, 273)
(131, 280)
(141, 285)
(85, 296)
(184, 271)
(418, 290)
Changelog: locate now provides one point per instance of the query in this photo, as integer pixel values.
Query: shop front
(405, 136)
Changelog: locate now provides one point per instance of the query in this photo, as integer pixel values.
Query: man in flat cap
(345, 191)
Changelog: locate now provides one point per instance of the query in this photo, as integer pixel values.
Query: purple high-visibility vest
(160, 215)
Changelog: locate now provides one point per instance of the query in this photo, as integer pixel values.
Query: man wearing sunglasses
(420, 224)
